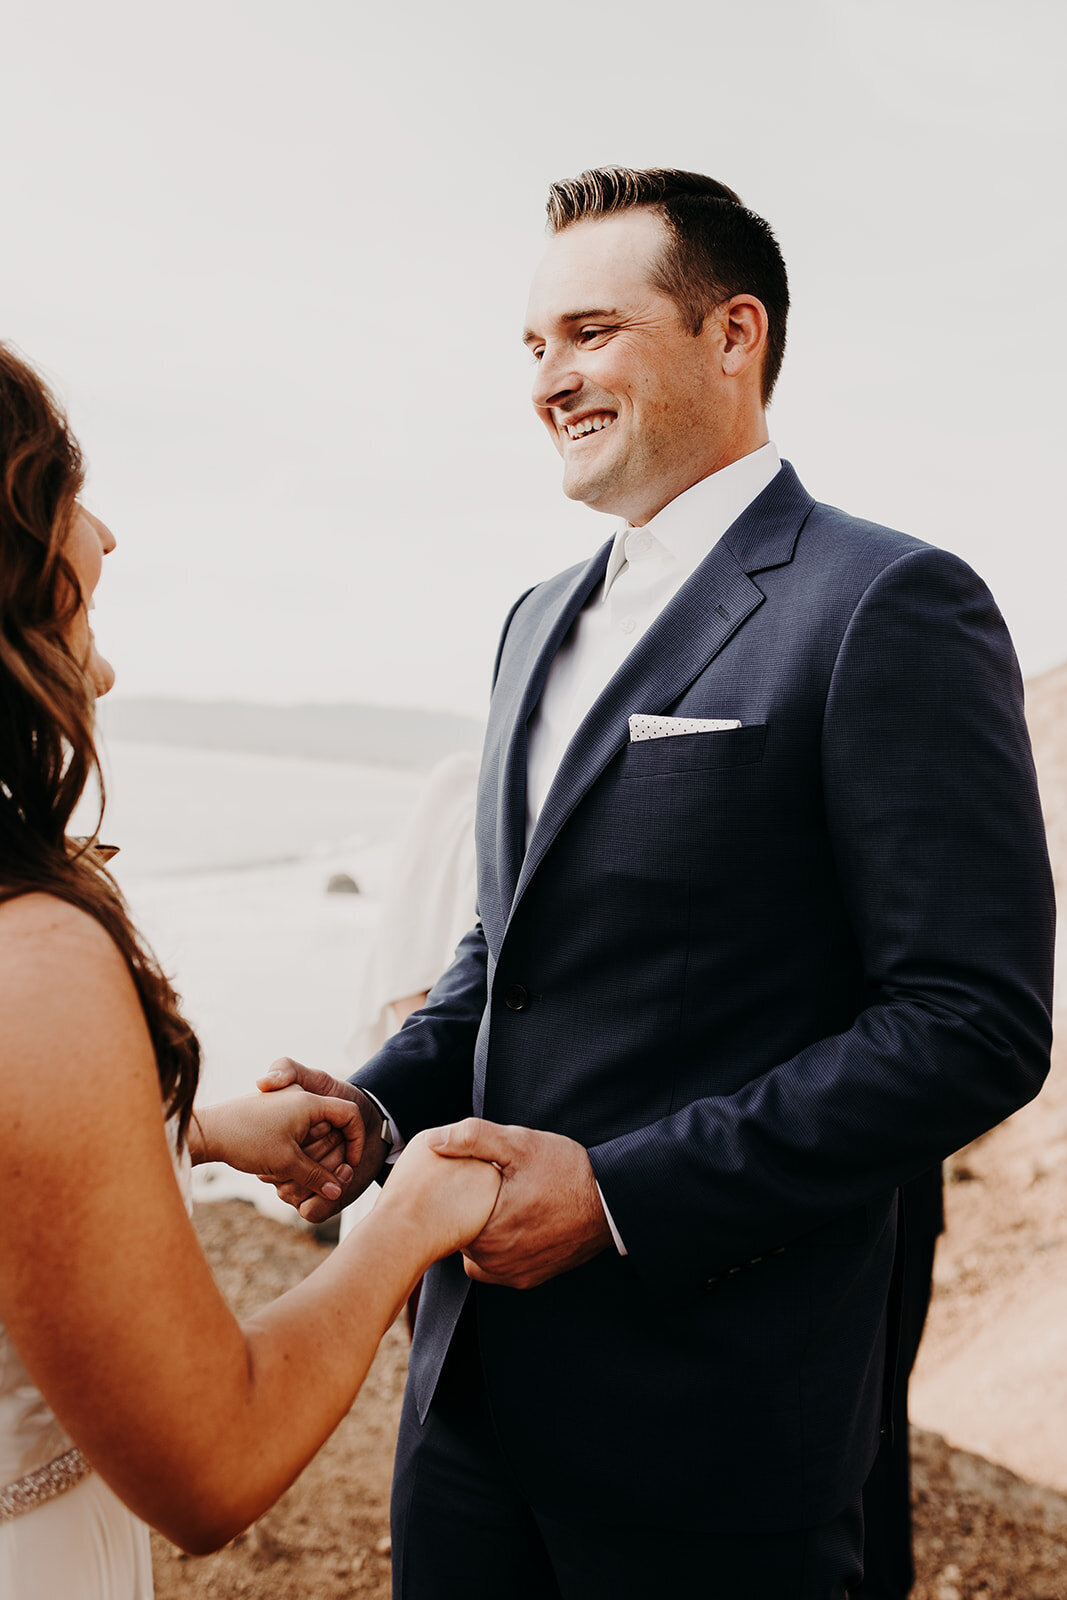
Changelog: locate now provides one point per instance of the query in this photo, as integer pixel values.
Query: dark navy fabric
(773, 974)
(463, 1529)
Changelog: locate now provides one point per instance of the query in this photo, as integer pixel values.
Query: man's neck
(721, 461)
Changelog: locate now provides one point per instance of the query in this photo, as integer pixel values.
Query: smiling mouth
(587, 425)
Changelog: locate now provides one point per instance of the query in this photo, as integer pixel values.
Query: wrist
(205, 1135)
(400, 1237)
(377, 1143)
(195, 1140)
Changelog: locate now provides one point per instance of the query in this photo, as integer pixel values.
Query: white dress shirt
(646, 568)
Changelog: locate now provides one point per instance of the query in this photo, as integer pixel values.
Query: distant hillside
(377, 735)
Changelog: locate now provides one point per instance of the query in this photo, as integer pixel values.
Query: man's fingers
(294, 1194)
(485, 1141)
(521, 1278)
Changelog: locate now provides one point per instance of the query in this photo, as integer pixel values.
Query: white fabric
(84, 1544)
(646, 568)
(429, 905)
(431, 902)
(667, 727)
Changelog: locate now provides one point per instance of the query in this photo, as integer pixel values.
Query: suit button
(516, 998)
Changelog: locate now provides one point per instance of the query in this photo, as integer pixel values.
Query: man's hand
(548, 1217)
(364, 1151)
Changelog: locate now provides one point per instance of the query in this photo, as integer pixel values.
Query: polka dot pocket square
(644, 727)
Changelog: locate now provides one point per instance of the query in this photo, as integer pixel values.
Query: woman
(113, 1335)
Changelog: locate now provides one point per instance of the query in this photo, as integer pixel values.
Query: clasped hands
(548, 1216)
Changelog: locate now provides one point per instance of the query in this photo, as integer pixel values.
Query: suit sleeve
(422, 1076)
(934, 820)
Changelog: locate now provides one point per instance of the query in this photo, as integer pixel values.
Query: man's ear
(744, 327)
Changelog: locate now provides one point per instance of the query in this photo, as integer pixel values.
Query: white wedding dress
(83, 1544)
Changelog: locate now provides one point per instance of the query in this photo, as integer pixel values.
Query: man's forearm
(422, 1077)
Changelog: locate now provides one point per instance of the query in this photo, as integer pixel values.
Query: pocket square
(645, 727)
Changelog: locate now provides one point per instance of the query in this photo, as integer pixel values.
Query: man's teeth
(578, 430)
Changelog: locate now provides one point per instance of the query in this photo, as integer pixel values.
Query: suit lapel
(521, 690)
(688, 633)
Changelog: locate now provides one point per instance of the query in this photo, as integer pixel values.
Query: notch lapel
(519, 687)
(688, 633)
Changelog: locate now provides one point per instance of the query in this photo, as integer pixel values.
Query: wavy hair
(47, 746)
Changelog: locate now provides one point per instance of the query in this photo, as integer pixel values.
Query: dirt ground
(982, 1533)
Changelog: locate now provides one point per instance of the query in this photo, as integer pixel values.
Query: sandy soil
(982, 1533)
(992, 1372)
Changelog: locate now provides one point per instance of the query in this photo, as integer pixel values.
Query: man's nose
(555, 380)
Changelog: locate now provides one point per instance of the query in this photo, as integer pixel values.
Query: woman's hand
(264, 1134)
(448, 1200)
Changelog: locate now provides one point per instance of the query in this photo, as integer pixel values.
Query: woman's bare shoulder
(42, 918)
(57, 962)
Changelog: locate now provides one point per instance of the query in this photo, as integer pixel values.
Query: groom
(766, 930)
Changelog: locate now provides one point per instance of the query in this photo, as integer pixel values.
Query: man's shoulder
(835, 528)
(837, 541)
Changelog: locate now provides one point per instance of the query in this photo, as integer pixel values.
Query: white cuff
(390, 1132)
(615, 1234)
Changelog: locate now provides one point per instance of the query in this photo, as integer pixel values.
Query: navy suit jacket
(764, 977)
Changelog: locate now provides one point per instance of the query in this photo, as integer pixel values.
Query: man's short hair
(716, 247)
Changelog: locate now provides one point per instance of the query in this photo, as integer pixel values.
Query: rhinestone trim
(45, 1483)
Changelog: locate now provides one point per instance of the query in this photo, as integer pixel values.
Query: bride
(129, 1393)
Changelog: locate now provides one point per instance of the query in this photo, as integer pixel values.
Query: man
(765, 932)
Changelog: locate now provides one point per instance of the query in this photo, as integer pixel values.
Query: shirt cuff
(390, 1132)
(615, 1234)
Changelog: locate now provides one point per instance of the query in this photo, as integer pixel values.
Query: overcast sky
(275, 259)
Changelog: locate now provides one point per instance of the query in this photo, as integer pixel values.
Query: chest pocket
(693, 752)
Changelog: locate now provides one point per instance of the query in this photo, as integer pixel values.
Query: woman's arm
(196, 1421)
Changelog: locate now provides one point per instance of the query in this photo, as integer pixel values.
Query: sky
(274, 258)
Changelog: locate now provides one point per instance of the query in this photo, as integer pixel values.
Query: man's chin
(593, 490)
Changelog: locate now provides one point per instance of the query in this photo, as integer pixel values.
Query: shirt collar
(693, 521)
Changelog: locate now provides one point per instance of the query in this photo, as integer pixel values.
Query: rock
(341, 883)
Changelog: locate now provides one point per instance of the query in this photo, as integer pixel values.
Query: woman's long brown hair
(47, 748)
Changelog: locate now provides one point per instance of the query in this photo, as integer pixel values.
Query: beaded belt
(44, 1483)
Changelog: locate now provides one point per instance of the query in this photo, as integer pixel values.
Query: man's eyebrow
(530, 337)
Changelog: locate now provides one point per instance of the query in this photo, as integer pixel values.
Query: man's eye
(587, 335)
(536, 352)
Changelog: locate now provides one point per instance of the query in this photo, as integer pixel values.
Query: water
(224, 859)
